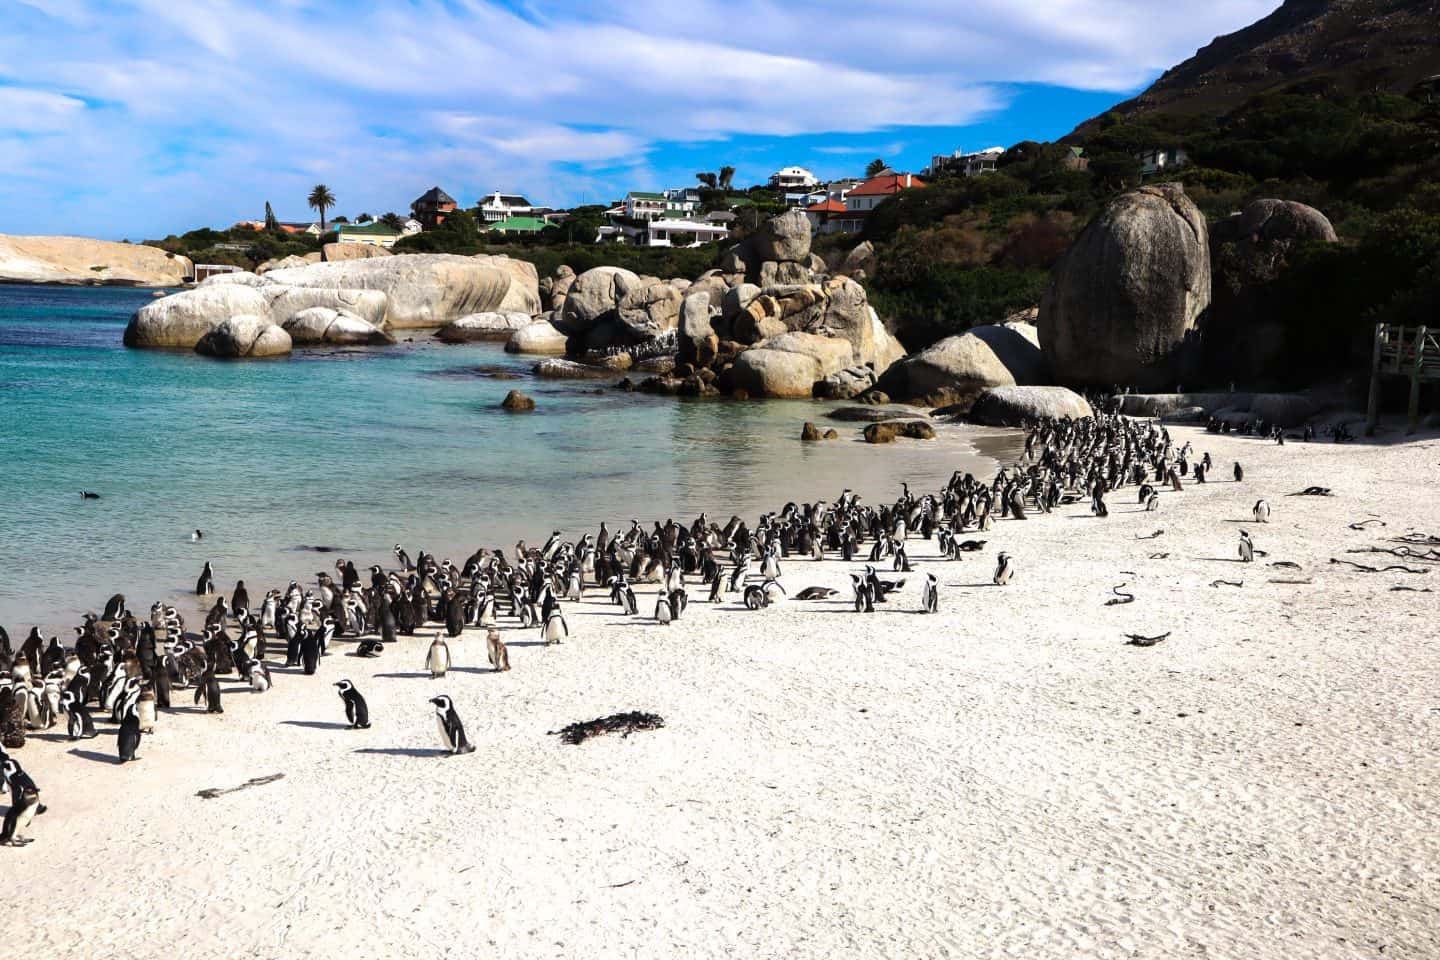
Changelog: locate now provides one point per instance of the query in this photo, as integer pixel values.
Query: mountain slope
(1355, 45)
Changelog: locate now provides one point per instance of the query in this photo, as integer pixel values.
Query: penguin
(240, 599)
(259, 675)
(1262, 511)
(663, 612)
(127, 739)
(89, 495)
(1247, 548)
(1004, 570)
(555, 628)
(1239, 472)
(930, 594)
(370, 649)
(356, 710)
(79, 724)
(309, 649)
(773, 590)
(403, 558)
(209, 688)
(816, 593)
(1152, 503)
(755, 597)
(498, 654)
(452, 732)
(437, 660)
(145, 709)
(454, 615)
(196, 536)
(206, 582)
(25, 802)
(114, 608)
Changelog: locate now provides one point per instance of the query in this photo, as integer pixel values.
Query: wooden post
(1412, 415)
(1372, 409)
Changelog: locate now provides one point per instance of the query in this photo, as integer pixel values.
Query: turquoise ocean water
(354, 449)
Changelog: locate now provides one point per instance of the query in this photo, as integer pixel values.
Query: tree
(321, 199)
(706, 178)
(392, 220)
(874, 167)
(364, 218)
(727, 177)
(270, 222)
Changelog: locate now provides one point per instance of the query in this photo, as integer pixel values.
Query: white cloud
(196, 112)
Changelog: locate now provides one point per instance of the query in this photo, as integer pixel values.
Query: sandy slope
(1005, 779)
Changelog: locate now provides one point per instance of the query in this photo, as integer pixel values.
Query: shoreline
(1004, 777)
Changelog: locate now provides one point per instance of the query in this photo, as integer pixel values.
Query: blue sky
(138, 118)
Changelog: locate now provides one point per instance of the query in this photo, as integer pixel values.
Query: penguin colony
(127, 668)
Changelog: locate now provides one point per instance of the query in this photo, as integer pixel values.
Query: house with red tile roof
(861, 200)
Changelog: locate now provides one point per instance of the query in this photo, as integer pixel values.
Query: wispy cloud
(173, 115)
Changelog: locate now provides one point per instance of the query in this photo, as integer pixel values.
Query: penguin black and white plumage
(930, 594)
(663, 613)
(1239, 472)
(208, 689)
(452, 732)
(1262, 511)
(370, 649)
(496, 651)
(145, 709)
(240, 599)
(437, 659)
(25, 802)
(127, 738)
(259, 675)
(206, 582)
(774, 593)
(555, 629)
(356, 710)
(1247, 548)
(309, 642)
(114, 608)
(1004, 570)
(79, 724)
(755, 598)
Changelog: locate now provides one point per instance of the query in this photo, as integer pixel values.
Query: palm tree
(727, 175)
(708, 179)
(321, 199)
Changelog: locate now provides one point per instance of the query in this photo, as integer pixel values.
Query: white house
(793, 179)
(372, 233)
(965, 164)
(643, 205)
(662, 232)
(502, 206)
(1159, 159)
(411, 227)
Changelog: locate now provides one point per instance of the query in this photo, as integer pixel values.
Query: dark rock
(809, 432)
(516, 401)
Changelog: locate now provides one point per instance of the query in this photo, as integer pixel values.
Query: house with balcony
(793, 180)
(432, 206)
(962, 164)
(643, 205)
(1158, 160)
(863, 199)
(825, 216)
(501, 206)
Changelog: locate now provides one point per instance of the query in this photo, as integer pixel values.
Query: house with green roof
(373, 233)
(517, 225)
(643, 205)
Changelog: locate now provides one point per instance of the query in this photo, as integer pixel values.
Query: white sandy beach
(1005, 779)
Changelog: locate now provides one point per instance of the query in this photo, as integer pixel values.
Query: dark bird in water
(87, 495)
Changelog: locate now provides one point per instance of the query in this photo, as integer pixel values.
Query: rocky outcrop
(182, 319)
(888, 430)
(784, 238)
(859, 261)
(244, 336)
(648, 311)
(294, 260)
(515, 402)
(1125, 298)
(845, 384)
(422, 290)
(323, 325)
(594, 299)
(287, 301)
(483, 326)
(337, 252)
(558, 369)
(80, 261)
(524, 293)
(1013, 406)
(539, 337)
(789, 365)
(957, 369)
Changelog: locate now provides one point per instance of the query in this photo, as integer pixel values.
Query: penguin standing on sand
(1004, 570)
(555, 628)
(1239, 472)
(206, 582)
(663, 612)
(24, 802)
(309, 649)
(930, 594)
(356, 710)
(127, 739)
(208, 688)
(437, 660)
(1262, 511)
(240, 599)
(1247, 548)
(452, 732)
(79, 724)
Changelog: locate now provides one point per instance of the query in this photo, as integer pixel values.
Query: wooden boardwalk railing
(1412, 352)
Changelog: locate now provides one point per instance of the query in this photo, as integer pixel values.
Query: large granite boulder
(524, 293)
(336, 252)
(783, 237)
(286, 301)
(539, 337)
(594, 299)
(180, 320)
(885, 348)
(845, 384)
(280, 263)
(421, 290)
(556, 368)
(1013, 406)
(244, 336)
(555, 289)
(648, 311)
(81, 261)
(243, 278)
(696, 330)
(849, 317)
(318, 325)
(1125, 298)
(957, 368)
(483, 326)
(775, 272)
(859, 261)
(1243, 340)
(789, 365)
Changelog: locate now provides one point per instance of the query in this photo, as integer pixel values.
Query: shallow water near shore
(353, 450)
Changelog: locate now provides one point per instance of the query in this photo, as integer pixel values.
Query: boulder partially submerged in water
(337, 327)
(182, 319)
(483, 326)
(244, 336)
(421, 290)
(539, 337)
(1013, 406)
